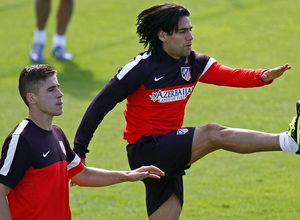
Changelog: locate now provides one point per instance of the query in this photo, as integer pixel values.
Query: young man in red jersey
(157, 85)
(37, 160)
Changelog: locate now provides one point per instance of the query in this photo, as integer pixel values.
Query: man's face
(179, 44)
(48, 101)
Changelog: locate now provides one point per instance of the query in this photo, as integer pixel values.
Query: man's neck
(44, 122)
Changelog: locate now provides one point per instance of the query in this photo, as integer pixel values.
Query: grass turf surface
(239, 33)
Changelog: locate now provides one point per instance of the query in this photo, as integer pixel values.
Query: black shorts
(171, 153)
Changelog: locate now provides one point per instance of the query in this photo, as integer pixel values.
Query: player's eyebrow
(53, 87)
(184, 29)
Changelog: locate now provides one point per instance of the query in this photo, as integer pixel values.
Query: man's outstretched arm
(96, 177)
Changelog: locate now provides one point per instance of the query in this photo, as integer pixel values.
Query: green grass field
(238, 33)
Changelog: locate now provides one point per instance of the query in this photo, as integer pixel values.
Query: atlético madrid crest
(186, 73)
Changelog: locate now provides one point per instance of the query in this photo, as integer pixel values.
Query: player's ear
(31, 98)
(162, 35)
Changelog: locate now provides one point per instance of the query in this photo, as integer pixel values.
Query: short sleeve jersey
(37, 165)
(157, 93)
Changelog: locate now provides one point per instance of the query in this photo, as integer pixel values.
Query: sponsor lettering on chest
(171, 95)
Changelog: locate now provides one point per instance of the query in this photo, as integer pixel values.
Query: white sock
(287, 143)
(40, 36)
(59, 40)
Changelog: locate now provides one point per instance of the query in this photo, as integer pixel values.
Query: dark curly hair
(160, 17)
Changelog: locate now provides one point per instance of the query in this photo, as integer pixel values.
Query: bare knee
(206, 139)
(213, 133)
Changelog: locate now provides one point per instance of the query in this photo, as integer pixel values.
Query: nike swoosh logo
(45, 155)
(159, 78)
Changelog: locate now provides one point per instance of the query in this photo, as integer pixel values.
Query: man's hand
(274, 73)
(145, 172)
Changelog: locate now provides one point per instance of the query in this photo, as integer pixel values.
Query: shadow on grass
(78, 82)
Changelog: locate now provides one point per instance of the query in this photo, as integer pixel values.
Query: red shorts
(171, 153)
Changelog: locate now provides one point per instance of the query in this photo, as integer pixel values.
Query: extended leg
(211, 137)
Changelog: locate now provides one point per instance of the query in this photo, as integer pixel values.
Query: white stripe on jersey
(74, 162)
(12, 148)
(132, 64)
(208, 65)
